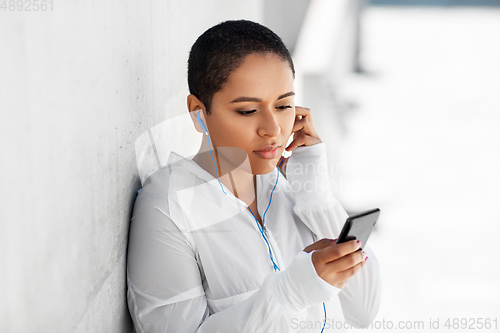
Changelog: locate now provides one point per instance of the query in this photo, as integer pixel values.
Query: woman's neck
(234, 177)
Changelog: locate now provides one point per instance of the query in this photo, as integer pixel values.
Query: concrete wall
(79, 83)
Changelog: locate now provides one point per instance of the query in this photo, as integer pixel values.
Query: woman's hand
(336, 263)
(303, 129)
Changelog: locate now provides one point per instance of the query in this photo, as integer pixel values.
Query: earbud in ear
(201, 122)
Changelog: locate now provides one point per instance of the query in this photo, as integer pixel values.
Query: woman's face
(255, 112)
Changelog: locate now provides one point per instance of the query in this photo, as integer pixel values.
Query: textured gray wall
(79, 83)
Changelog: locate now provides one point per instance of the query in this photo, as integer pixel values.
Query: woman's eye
(283, 107)
(246, 113)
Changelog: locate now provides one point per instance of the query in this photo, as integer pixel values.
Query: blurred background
(404, 93)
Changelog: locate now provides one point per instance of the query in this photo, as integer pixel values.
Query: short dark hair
(223, 48)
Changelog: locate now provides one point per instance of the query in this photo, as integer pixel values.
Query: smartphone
(359, 227)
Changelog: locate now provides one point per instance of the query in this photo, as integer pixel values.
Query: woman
(228, 241)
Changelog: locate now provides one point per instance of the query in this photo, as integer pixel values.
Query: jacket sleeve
(307, 173)
(165, 289)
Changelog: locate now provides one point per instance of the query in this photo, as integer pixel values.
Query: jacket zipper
(266, 233)
(275, 256)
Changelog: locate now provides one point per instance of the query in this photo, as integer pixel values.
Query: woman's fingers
(345, 275)
(302, 123)
(303, 129)
(301, 139)
(303, 112)
(345, 264)
(336, 251)
(335, 263)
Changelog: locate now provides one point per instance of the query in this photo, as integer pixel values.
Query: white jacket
(197, 261)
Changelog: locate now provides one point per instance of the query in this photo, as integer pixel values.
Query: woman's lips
(268, 153)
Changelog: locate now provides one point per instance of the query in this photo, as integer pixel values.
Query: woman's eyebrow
(255, 99)
(290, 93)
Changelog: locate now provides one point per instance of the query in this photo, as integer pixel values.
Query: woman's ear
(195, 106)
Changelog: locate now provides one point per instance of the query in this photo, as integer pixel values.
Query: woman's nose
(268, 125)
